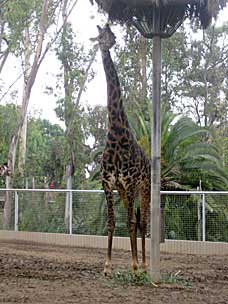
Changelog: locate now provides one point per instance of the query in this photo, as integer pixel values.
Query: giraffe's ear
(99, 29)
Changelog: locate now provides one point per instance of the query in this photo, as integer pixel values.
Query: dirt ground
(31, 273)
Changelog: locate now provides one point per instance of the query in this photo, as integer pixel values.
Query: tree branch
(3, 58)
(10, 87)
(82, 88)
(58, 32)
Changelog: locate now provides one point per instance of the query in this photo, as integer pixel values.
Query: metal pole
(68, 198)
(16, 212)
(204, 218)
(155, 165)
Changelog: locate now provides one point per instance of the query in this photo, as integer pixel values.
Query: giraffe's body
(124, 166)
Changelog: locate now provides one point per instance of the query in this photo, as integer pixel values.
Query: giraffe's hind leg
(132, 226)
(111, 228)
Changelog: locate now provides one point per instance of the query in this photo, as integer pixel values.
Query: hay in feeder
(172, 12)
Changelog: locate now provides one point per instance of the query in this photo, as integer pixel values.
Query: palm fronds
(185, 151)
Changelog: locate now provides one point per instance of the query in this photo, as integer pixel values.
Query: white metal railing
(69, 207)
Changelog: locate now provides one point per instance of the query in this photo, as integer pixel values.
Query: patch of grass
(175, 278)
(128, 278)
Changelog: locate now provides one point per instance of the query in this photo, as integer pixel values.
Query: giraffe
(4, 170)
(124, 166)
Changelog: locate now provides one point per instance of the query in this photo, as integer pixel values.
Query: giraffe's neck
(116, 112)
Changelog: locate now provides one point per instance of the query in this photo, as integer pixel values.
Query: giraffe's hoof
(135, 269)
(144, 268)
(107, 270)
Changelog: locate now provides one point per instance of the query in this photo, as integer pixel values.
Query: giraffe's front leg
(143, 226)
(145, 205)
(111, 227)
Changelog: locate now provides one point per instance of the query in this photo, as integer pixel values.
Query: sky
(84, 19)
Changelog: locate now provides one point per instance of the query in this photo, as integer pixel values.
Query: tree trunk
(7, 206)
(23, 133)
(143, 55)
(22, 148)
(4, 53)
(26, 96)
(9, 181)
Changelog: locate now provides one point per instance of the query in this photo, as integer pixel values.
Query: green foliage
(217, 226)
(130, 59)
(45, 146)
(174, 64)
(204, 88)
(217, 218)
(90, 215)
(42, 215)
(18, 15)
(9, 115)
(21, 15)
(45, 150)
(127, 278)
(181, 218)
(186, 154)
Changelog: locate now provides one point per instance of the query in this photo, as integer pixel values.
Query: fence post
(70, 212)
(204, 218)
(199, 218)
(68, 203)
(16, 212)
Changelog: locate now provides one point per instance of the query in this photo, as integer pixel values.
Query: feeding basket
(160, 17)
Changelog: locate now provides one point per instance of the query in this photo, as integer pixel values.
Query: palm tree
(187, 156)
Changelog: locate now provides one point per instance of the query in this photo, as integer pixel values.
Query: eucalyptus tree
(27, 24)
(133, 64)
(76, 65)
(98, 123)
(205, 90)
(194, 74)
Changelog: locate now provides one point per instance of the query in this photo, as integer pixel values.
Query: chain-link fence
(195, 215)
(199, 217)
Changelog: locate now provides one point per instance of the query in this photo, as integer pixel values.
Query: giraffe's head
(106, 38)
